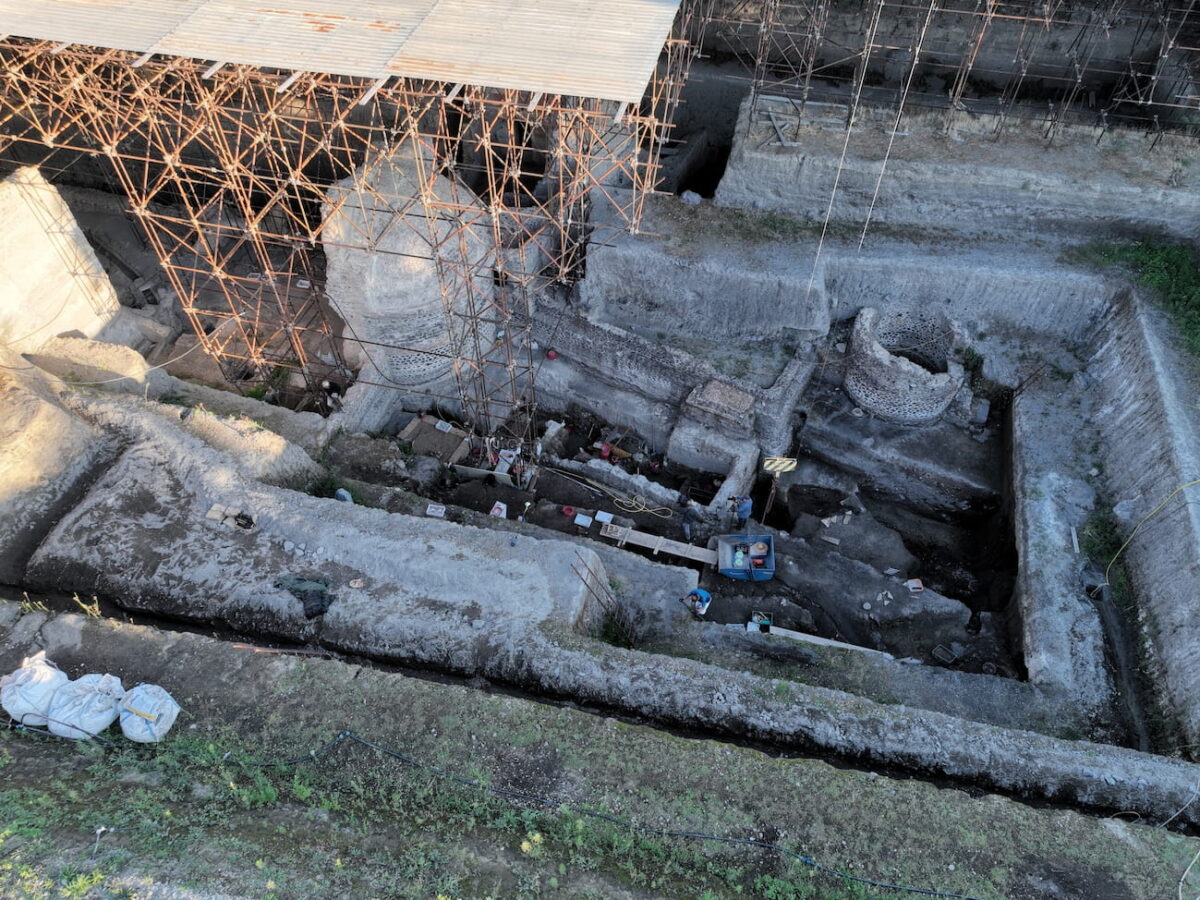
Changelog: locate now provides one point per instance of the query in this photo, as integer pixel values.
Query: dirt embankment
(353, 823)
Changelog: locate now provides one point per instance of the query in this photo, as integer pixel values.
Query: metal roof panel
(134, 25)
(574, 47)
(606, 50)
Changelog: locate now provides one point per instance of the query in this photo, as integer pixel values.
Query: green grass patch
(694, 224)
(1169, 272)
(610, 632)
(1101, 536)
(971, 359)
(196, 810)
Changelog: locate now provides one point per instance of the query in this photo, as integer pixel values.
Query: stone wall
(1032, 294)
(949, 41)
(50, 281)
(46, 457)
(655, 281)
(417, 581)
(624, 379)
(691, 273)
(968, 181)
(114, 369)
(672, 399)
(1151, 443)
(775, 405)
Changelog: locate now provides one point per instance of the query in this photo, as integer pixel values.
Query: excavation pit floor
(845, 592)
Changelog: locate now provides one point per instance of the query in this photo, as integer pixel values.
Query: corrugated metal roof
(590, 48)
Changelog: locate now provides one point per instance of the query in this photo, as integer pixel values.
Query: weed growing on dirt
(694, 224)
(611, 632)
(1101, 538)
(327, 484)
(971, 359)
(92, 610)
(32, 606)
(79, 886)
(199, 810)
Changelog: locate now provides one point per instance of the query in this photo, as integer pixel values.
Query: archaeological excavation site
(650, 448)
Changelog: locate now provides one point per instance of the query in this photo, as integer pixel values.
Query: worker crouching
(698, 600)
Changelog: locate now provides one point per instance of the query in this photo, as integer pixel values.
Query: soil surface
(196, 817)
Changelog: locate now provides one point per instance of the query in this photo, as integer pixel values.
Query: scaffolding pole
(231, 172)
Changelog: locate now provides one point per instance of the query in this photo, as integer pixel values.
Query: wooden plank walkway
(655, 543)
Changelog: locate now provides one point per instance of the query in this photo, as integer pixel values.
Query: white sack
(26, 693)
(86, 706)
(147, 713)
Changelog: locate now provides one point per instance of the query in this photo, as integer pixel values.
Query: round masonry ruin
(902, 366)
(384, 280)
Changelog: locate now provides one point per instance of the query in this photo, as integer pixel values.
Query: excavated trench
(108, 608)
(105, 607)
(963, 551)
(784, 730)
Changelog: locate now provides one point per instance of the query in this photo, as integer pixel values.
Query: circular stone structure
(902, 366)
(383, 280)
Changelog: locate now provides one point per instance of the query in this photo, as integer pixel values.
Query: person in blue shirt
(743, 506)
(698, 600)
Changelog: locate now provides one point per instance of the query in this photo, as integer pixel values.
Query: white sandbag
(26, 693)
(147, 713)
(85, 706)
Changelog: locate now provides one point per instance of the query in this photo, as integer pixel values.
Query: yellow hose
(1144, 520)
(636, 504)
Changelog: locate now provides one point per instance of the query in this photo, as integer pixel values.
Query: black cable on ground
(540, 801)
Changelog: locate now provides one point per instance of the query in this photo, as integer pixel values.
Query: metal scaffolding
(231, 171)
(1111, 63)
